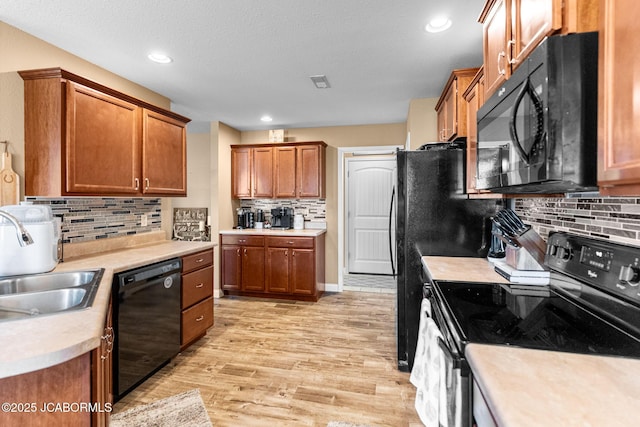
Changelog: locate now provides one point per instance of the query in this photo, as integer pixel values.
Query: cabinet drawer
(196, 320)
(197, 286)
(290, 242)
(198, 260)
(237, 239)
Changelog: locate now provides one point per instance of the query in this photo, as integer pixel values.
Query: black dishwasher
(146, 322)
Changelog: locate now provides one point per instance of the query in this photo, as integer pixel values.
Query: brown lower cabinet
(273, 266)
(84, 384)
(197, 296)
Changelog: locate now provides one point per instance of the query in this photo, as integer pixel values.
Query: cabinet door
(241, 173)
(262, 172)
(285, 175)
(102, 372)
(450, 110)
(103, 143)
(618, 112)
(473, 103)
(164, 155)
(442, 121)
(277, 270)
(303, 272)
(253, 268)
(532, 21)
(496, 32)
(231, 267)
(310, 171)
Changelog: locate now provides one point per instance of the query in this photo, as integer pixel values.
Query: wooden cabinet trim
(59, 73)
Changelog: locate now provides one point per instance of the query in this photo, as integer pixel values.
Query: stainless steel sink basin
(42, 294)
(45, 282)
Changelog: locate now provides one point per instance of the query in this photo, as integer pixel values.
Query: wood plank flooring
(281, 363)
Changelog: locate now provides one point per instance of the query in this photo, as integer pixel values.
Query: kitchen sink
(46, 282)
(50, 293)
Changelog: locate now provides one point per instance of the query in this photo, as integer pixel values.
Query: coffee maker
(282, 218)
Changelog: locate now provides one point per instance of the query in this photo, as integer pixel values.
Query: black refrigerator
(434, 216)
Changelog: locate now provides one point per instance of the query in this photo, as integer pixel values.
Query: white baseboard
(331, 287)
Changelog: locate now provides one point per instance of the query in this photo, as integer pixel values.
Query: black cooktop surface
(532, 317)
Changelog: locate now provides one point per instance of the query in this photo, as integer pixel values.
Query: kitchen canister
(298, 222)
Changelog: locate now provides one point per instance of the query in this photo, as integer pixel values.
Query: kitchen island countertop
(35, 343)
(537, 388)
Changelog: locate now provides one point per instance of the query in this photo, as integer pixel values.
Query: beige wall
(336, 137)
(422, 121)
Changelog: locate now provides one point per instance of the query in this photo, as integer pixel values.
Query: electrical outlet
(143, 220)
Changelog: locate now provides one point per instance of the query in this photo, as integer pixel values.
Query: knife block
(530, 253)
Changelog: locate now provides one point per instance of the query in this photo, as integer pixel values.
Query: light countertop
(540, 388)
(31, 344)
(537, 388)
(307, 232)
(461, 269)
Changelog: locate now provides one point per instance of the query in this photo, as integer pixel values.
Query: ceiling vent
(320, 81)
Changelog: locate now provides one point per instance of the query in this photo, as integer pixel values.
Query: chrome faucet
(24, 238)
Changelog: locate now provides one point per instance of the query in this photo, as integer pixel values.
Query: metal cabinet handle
(245, 252)
(510, 51)
(242, 241)
(238, 251)
(146, 181)
(199, 285)
(200, 319)
(137, 181)
(199, 260)
(290, 242)
(502, 71)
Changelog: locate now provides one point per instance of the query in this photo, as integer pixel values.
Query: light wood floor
(279, 363)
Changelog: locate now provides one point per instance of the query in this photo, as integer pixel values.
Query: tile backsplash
(85, 219)
(311, 209)
(617, 219)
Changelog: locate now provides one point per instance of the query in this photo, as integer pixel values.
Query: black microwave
(538, 132)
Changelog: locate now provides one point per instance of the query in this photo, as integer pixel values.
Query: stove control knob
(630, 275)
(564, 253)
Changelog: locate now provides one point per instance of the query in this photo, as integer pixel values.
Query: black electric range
(591, 305)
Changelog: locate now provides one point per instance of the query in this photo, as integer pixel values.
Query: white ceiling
(236, 60)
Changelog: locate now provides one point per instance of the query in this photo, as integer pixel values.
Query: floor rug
(184, 409)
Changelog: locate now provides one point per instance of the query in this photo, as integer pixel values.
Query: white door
(370, 183)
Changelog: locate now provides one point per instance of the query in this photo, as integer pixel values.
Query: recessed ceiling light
(160, 58)
(437, 24)
(266, 118)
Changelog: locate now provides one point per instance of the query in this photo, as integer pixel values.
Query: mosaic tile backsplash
(617, 219)
(310, 209)
(85, 219)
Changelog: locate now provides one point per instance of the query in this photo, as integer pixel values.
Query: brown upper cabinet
(289, 170)
(513, 28)
(82, 138)
(618, 132)
(252, 172)
(451, 107)
(474, 97)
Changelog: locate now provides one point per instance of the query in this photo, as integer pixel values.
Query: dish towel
(427, 369)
